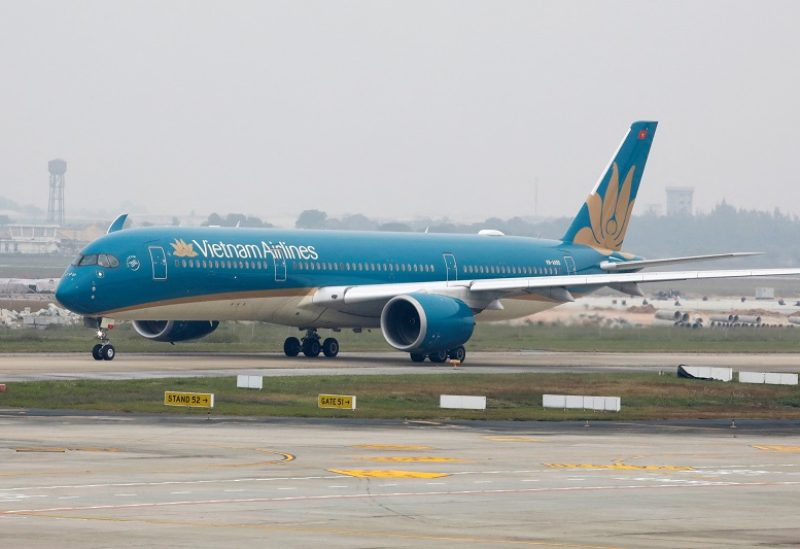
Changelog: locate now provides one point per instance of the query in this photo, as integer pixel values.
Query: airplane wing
(612, 265)
(485, 293)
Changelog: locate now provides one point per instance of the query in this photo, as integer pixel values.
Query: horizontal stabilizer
(643, 263)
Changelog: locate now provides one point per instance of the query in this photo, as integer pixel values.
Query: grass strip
(510, 396)
(260, 337)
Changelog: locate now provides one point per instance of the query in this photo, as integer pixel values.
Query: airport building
(29, 239)
(679, 201)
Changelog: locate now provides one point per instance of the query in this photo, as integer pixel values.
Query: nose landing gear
(103, 350)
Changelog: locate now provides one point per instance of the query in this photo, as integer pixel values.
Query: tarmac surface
(145, 481)
(47, 366)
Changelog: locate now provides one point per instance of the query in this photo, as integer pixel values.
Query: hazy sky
(395, 109)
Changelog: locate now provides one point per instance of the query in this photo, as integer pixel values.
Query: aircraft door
(569, 265)
(158, 259)
(451, 267)
(280, 269)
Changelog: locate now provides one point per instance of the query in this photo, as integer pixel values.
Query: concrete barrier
(249, 382)
(582, 402)
(705, 372)
(780, 379)
(751, 377)
(768, 378)
(462, 402)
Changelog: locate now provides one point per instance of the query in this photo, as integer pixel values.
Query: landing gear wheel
(459, 353)
(108, 352)
(291, 347)
(438, 357)
(330, 347)
(417, 357)
(96, 352)
(311, 347)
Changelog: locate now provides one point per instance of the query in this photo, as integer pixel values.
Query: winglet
(118, 224)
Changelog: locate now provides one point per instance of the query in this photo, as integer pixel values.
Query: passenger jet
(424, 291)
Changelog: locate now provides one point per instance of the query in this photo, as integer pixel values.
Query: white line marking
(181, 492)
(287, 488)
(448, 493)
(234, 490)
(337, 486)
(434, 483)
(483, 482)
(167, 483)
(125, 495)
(529, 480)
(69, 497)
(388, 485)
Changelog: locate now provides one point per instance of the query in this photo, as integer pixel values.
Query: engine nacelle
(174, 330)
(423, 323)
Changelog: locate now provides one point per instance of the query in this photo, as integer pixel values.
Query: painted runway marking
(181, 492)
(445, 493)
(511, 438)
(412, 459)
(777, 447)
(287, 488)
(365, 473)
(165, 483)
(619, 467)
(408, 447)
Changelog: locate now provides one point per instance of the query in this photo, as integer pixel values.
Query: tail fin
(603, 219)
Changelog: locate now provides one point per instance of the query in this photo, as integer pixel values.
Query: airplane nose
(67, 294)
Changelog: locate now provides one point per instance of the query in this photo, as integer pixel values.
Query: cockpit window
(103, 260)
(86, 260)
(107, 260)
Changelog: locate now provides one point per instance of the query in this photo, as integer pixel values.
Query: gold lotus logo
(183, 249)
(609, 215)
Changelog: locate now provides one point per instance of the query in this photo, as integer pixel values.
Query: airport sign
(190, 400)
(340, 402)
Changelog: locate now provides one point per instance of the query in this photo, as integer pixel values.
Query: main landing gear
(103, 350)
(458, 353)
(310, 345)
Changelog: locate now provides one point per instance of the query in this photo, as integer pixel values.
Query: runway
(46, 366)
(186, 482)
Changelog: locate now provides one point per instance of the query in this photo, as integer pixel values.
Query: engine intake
(174, 330)
(426, 323)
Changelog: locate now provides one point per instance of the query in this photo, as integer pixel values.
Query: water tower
(55, 203)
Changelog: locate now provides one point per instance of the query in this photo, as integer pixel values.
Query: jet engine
(174, 330)
(423, 323)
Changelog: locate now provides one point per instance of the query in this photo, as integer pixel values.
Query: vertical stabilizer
(603, 219)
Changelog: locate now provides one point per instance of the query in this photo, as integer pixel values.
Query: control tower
(55, 203)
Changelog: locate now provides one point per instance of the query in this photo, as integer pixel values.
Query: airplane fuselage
(213, 273)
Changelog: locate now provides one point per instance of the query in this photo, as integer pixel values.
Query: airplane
(423, 291)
